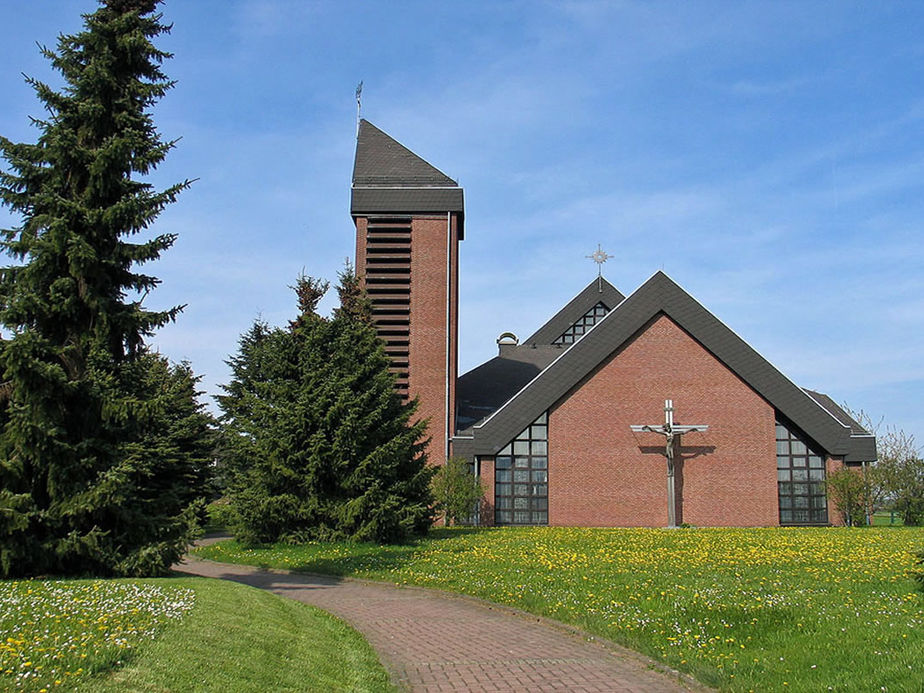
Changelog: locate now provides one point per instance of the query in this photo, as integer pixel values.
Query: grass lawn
(742, 609)
(884, 518)
(182, 634)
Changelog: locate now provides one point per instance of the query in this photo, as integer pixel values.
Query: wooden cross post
(672, 433)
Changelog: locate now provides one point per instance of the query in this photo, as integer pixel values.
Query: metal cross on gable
(599, 256)
(672, 433)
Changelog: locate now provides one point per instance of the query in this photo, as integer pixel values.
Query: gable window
(588, 320)
(521, 477)
(801, 478)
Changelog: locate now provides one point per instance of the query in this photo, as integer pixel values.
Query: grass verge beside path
(221, 636)
(795, 609)
(241, 639)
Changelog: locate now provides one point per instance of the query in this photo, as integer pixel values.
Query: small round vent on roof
(508, 339)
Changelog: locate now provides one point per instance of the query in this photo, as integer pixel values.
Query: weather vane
(359, 104)
(599, 256)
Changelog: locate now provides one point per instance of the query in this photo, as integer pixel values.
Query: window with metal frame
(521, 477)
(584, 323)
(801, 480)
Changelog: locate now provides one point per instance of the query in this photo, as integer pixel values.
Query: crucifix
(672, 433)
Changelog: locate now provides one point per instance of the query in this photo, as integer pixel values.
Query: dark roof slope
(383, 161)
(388, 178)
(658, 295)
(481, 391)
(837, 412)
(862, 442)
(599, 290)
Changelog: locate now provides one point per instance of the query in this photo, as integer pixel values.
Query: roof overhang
(367, 201)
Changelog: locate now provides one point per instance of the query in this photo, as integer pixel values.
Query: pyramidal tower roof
(383, 161)
(388, 178)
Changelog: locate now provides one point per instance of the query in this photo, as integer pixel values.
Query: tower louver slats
(388, 283)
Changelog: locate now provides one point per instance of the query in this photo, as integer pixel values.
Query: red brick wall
(833, 464)
(603, 474)
(427, 364)
(359, 261)
(486, 476)
(428, 338)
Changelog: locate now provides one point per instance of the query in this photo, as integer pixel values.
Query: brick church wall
(427, 364)
(603, 474)
(361, 225)
(833, 464)
(486, 477)
(427, 358)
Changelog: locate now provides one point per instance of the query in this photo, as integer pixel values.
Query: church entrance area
(521, 477)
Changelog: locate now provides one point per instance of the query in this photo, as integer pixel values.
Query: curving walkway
(432, 641)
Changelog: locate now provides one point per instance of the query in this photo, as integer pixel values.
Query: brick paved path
(430, 641)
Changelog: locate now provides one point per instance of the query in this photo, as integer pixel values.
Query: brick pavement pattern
(430, 641)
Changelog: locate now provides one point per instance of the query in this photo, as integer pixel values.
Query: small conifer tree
(100, 450)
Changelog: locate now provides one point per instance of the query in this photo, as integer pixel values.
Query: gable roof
(599, 290)
(484, 389)
(659, 295)
(388, 178)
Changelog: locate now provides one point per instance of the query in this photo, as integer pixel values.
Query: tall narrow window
(801, 477)
(521, 478)
(584, 323)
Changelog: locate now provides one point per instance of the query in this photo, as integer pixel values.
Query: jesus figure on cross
(672, 433)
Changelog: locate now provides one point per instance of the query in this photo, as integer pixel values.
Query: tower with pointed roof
(409, 220)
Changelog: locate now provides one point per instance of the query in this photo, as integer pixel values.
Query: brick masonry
(486, 474)
(603, 474)
(432, 311)
(600, 472)
(361, 224)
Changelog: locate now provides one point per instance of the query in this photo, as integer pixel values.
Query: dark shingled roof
(383, 161)
(660, 295)
(388, 178)
(863, 443)
(837, 412)
(483, 390)
(596, 292)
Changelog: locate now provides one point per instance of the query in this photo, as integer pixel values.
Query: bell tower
(409, 221)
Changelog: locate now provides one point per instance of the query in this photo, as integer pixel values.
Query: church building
(639, 410)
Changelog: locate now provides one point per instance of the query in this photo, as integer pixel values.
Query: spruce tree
(324, 448)
(387, 481)
(93, 462)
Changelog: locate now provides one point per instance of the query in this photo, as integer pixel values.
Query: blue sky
(769, 156)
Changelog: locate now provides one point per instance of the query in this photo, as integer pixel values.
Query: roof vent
(506, 342)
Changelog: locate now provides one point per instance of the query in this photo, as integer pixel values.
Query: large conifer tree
(98, 471)
(322, 446)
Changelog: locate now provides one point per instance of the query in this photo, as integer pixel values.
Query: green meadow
(183, 634)
(801, 609)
